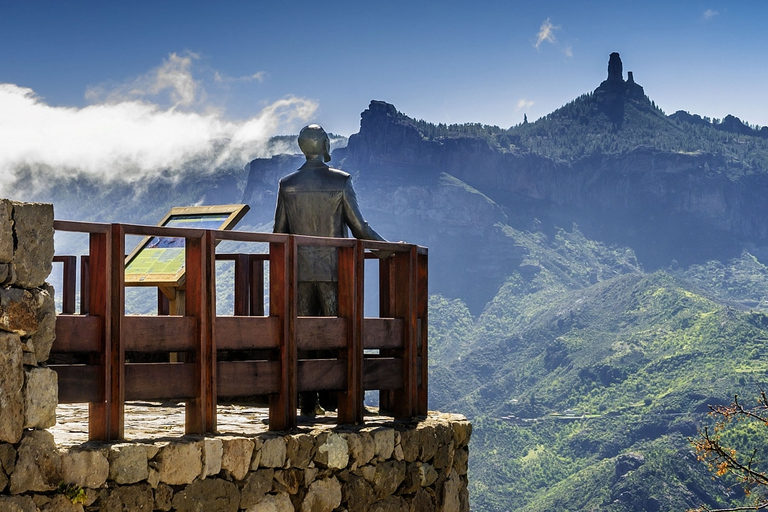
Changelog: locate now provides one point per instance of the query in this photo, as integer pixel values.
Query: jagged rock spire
(615, 70)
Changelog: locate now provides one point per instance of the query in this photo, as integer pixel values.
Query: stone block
(391, 504)
(17, 504)
(388, 477)
(6, 232)
(461, 460)
(427, 442)
(449, 498)
(41, 397)
(300, 449)
(462, 431)
(128, 463)
(33, 255)
(136, 498)
(38, 464)
(409, 442)
(179, 463)
(384, 439)
(42, 340)
(280, 502)
(18, 311)
(422, 502)
(332, 451)
(357, 493)
(7, 457)
(61, 503)
(361, 448)
(444, 456)
(85, 467)
(163, 497)
(3, 480)
(6, 273)
(212, 494)
(322, 496)
(257, 485)
(11, 386)
(273, 452)
(213, 449)
(288, 480)
(236, 456)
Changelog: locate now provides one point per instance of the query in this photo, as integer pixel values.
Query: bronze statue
(317, 200)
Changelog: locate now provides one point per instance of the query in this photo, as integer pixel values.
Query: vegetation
(736, 449)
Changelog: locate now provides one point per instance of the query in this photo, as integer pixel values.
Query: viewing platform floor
(152, 422)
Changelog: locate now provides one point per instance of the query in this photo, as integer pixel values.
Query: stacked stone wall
(386, 467)
(28, 390)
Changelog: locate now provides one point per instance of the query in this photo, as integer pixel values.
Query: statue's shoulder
(338, 173)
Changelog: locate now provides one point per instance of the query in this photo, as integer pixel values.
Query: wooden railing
(388, 353)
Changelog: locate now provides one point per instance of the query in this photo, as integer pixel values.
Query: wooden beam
(322, 332)
(247, 332)
(248, 378)
(78, 333)
(142, 381)
(78, 383)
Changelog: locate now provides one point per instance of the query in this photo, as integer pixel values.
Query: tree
(717, 447)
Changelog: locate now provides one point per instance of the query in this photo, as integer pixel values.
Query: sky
(117, 88)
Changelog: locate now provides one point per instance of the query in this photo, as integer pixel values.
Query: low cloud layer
(157, 122)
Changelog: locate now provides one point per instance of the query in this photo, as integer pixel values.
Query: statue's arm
(281, 219)
(353, 217)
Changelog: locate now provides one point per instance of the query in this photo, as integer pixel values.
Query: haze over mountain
(598, 278)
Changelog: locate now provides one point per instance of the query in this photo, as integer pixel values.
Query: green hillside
(588, 363)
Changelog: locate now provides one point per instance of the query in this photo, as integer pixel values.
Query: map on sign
(160, 260)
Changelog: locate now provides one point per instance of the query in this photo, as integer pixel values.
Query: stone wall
(381, 467)
(393, 467)
(28, 390)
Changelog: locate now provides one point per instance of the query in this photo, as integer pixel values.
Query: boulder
(38, 464)
(332, 451)
(85, 467)
(136, 498)
(179, 463)
(11, 385)
(212, 494)
(33, 257)
(41, 397)
(128, 463)
(322, 496)
(236, 456)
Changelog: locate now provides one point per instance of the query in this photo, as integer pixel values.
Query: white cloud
(173, 78)
(523, 104)
(546, 33)
(132, 138)
(709, 14)
(259, 76)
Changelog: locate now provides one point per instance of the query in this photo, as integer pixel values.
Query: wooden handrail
(246, 354)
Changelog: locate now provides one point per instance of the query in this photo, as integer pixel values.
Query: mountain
(597, 278)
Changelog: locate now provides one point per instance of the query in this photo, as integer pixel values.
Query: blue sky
(180, 74)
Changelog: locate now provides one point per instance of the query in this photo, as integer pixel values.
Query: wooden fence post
(282, 297)
(351, 261)
(406, 283)
(422, 407)
(200, 303)
(106, 298)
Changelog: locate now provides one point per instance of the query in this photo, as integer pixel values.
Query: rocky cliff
(640, 178)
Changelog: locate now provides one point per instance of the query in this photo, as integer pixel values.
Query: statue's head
(313, 142)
